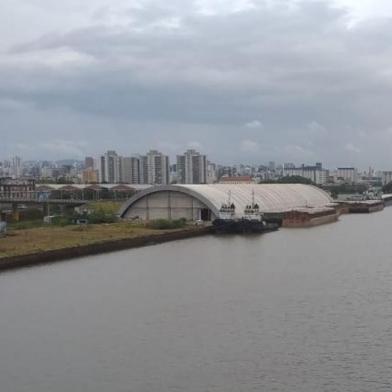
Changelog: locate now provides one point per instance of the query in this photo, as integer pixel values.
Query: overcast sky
(241, 80)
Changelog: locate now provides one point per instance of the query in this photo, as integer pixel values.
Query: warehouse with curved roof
(202, 202)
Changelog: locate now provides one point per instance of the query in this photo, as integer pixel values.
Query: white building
(212, 176)
(314, 173)
(199, 201)
(157, 165)
(192, 168)
(347, 174)
(16, 167)
(109, 168)
(5, 169)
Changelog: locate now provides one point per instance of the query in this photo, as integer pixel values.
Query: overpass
(36, 198)
(65, 195)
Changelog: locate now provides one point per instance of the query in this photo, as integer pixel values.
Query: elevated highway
(41, 199)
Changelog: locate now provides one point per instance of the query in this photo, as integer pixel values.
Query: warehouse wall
(166, 205)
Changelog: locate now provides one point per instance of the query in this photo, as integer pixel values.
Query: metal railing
(35, 196)
(58, 196)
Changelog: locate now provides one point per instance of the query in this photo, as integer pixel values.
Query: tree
(295, 180)
(289, 180)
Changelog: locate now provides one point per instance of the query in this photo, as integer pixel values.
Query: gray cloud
(162, 74)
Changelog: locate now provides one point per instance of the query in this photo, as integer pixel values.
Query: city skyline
(174, 157)
(191, 167)
(278, 86)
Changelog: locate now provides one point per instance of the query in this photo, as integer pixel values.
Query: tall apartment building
(271, 166)
(16, 167)
(314, 173)
(347, 174)
(157, 166)
(109, 168)
(130, 170)
(192, 168)
(211, 173)
(143, 169)
(89, 163)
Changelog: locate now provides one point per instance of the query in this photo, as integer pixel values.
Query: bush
(289, 180)
(30, 214)
(165, 224)
(98, 217)
(108, 207)
(62, 220)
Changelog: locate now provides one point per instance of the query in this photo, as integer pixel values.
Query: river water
(302, 310)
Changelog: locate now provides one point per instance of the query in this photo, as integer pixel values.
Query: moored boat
(252, 220)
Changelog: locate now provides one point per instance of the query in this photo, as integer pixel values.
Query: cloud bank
(249, 80)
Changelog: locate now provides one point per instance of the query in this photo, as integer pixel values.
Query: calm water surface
(302, 310)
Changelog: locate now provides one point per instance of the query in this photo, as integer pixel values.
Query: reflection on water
(295, 310)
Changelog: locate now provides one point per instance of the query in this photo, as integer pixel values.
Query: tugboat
(251, 222)
(226, 221)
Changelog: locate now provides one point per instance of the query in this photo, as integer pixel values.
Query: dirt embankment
(71, 251)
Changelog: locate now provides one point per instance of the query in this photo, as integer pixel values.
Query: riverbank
(45, 245)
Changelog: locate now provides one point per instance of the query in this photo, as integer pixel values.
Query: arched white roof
(269, 197)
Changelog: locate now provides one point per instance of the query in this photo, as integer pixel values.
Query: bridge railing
(41, 197)
(58, 196)
(19, 195)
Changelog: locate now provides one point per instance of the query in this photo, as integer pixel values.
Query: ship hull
(242, 226)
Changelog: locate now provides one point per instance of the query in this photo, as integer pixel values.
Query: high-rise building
(157, 165)
(192, 168)
(109, 168)
(130, 170)
(143, 168)
(211, 173)
(16, 167)
(173, 173)
(314, 173)
(6, 169)
(180, 169)
(88, 162)
(347, 174)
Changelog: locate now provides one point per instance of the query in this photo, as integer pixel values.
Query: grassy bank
(48, 238)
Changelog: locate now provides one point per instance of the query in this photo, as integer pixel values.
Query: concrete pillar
(169, 205)
(46, 208)
(147, 209)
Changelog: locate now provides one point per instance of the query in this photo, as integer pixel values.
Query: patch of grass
(51, 237)
(80, 228)
(105, 207)
(24, 225)
(162, 224)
